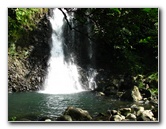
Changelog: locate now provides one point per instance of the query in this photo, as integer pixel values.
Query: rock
(136, 94)
(64, 118)
(145, 93)
(102, 117)
(139, 110)
(117, 118)
(26, 68)
(154, 101)
(132, 95)
(146, 115)
(110, 90)
(125, 111)
(47, 120)
(155, 112)
(100, 94)
(147, 101)
(135, 109)
(77, 114)
(131, 117)
(123, 117)
(114, 112)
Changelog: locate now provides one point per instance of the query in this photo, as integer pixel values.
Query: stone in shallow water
(78, 114)
(47, 120)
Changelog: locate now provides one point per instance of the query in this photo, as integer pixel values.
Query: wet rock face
(27, 72)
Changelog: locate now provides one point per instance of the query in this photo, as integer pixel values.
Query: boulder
(100, 94)
(132, 95)
(47, 120)
(135, 109)
(114, 112)
(136, 94)
(145, 115)
(145, 93)
(131, 117)
(125, 111)
(117, 118)
(77, 114)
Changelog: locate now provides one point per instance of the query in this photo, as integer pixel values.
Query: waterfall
(63, 76)
(91, 71)
(70, 48)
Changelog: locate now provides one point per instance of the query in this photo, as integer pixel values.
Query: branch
(66, 18)
(71, 28)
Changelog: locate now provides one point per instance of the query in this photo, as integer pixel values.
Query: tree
(128, 35)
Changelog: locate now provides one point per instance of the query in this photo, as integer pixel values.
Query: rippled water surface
(53, 105)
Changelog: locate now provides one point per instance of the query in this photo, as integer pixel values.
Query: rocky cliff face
(27, 69)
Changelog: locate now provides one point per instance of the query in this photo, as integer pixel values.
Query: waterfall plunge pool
(31, 104)
(34, 105)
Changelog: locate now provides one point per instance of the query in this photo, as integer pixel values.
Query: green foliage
(25, 17)
(21, 21)
(153, 76)
(148, 81)
(140, 81)
(153, 83)
(12, 50)
(126, 41)
(116, 10)
(147, 9)
(13, 118)
(129, 36)
(154, 91)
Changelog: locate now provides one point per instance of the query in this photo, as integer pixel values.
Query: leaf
(116, 10)
(147, 10)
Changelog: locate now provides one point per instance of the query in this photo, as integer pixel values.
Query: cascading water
(91, 71)
(63, 77)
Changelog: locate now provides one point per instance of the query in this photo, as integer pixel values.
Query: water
(62, 86)
(30, 104)
(63, 77)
